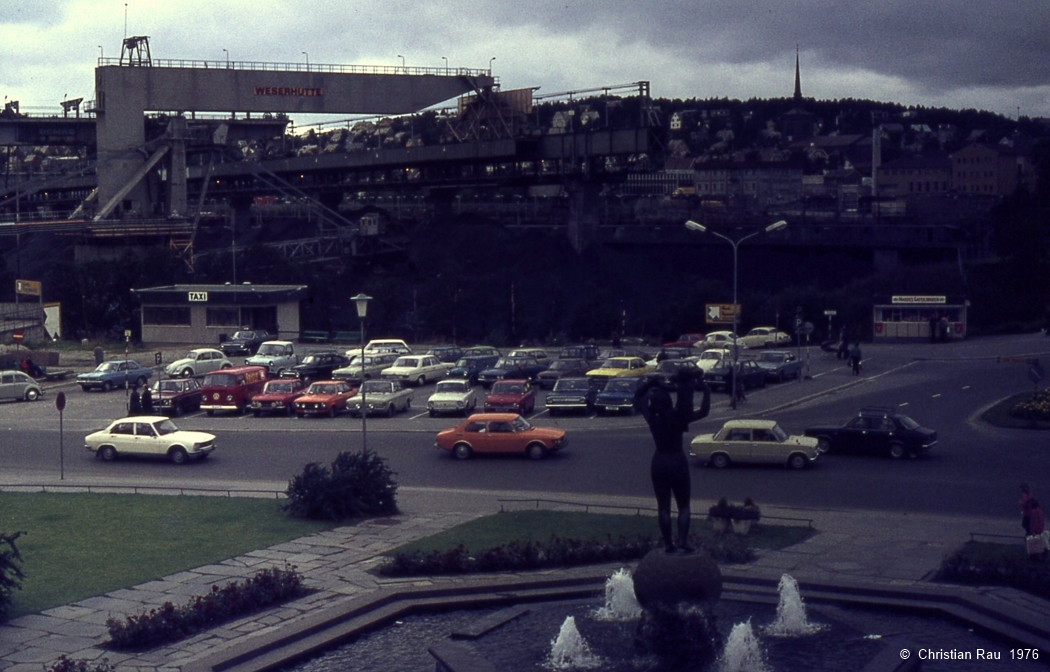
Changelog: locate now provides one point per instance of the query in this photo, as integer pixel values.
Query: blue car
(524, 368)
(617, 396)
(118, 373)
(471, 367)
(572, 393)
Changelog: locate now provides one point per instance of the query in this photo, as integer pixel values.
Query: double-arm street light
(700, 228)
(361, 302)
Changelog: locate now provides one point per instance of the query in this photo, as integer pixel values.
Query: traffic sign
(721, 313)
(18, 336)
(60, 401)
(831, 312)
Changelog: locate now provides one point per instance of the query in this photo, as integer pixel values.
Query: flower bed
(170, 623)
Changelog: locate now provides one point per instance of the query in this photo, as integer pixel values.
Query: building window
(223, 317)
(166, 315)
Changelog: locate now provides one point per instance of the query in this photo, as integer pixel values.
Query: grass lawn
(79, 545)
(502, 528)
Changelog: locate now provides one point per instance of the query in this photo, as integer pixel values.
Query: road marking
(965, 387)
(936, 395)
(903, 404)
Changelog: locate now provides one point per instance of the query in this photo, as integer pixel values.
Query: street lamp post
(490, 65)
(307, 59)
(700, 228)
(404, 70)
(445, 59)
(361, 302)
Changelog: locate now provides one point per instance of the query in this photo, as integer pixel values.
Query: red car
(511, 396)
(278, 397)
(685, 341)
(325, 397)
(500, 433)
(175, 396)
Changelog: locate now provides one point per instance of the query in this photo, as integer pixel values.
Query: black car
(561, 368)
(875, 430)
(586, 351)
(526, 368)
(573, 393)
(668, 369)
(471, 366)
(749, 375)
(318, 366)
(245, 342)
(446, 353)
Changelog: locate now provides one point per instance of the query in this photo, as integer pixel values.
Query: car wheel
(226, 366)
(32, 395)
(177, 409)
(86, 388)
(536, 451)
(256, 412)
(552, 412)
(462, 451)
(823, 445)
(187, 372)
(780, 377)
(178, 455)
(108, 453)
(107, 386)
(432, 414)
(896, 451)
(720, 461)
(797, 461)
(408, 404)
(421, 381)
(279, 374)
(210, 413)
(390, 411)
(241, 408)
(331, 412)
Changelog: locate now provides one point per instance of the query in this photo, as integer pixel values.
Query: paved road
(975, 469)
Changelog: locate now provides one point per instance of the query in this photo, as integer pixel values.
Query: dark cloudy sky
(983, 54)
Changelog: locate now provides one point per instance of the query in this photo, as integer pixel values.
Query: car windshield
(166, 386)
(190, 355)
(615, 364)
(520, 424)
(243, 335)
(451, 386)
(377, 387)
(507, 388)
(563, 364)
(271, 349)
(322, 388)
(572, 385)
(220, 380)
(407, 362)
(108, 366)
(772, 357)
(165, 427)
(780, 433)
(907, 423)
(279, 387)
(620, 386)
(312, 359)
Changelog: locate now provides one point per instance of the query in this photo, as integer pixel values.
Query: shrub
(357, 484)
(1035, 408)
(723, 509)
(64, 664)
(170, 623)
(10, 570)
(1014, 570)
(558, 552)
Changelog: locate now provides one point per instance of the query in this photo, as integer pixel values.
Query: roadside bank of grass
(993, 564)
(75, 546)
(999, 415)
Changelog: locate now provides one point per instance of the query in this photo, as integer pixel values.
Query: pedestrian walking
(147, 402)
(854, 358)
(100, 354)
(1026, 522)
(1036, 541)
(135, 403)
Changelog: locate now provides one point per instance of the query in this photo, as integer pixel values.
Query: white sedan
(765, 337)
(150, 436)
(454, 395)
(197, 363)
(755, 441)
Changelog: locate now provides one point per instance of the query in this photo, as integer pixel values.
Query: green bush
(170, 623)
(64, 664)
(357, 484)
(10, 570)
(1037, 407)
(974, 564)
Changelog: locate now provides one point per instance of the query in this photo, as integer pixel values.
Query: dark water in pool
(523, 644)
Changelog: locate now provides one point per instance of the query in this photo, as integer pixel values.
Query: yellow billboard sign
(721, 313)
(27, 287)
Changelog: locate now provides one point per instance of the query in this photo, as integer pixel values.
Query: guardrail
(140, 490)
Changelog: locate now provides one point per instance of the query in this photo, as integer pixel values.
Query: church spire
(798, 79)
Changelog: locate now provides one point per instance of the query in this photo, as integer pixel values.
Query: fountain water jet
(620, 601)
(742, 652)
(569, 651)
(791, 618)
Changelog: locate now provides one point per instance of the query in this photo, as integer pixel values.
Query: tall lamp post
(700, 228)
(361, 302)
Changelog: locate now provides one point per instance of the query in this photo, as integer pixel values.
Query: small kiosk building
(920, 316)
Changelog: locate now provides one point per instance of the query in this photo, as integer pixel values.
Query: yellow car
(755, 441)
(621, 367)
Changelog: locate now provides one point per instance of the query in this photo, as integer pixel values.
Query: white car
(384, 397)
(151, 436)
(718, 339)
(754, 441)
(197, 363)
(454, 395)
(371, 366)
(382, 345)
(18, 385)
(709, 359)
(417, 369)
(765, 337)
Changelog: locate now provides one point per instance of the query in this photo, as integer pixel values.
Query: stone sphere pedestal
(678, 593)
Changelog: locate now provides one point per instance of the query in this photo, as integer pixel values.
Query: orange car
(324, 397)
(500, 433)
